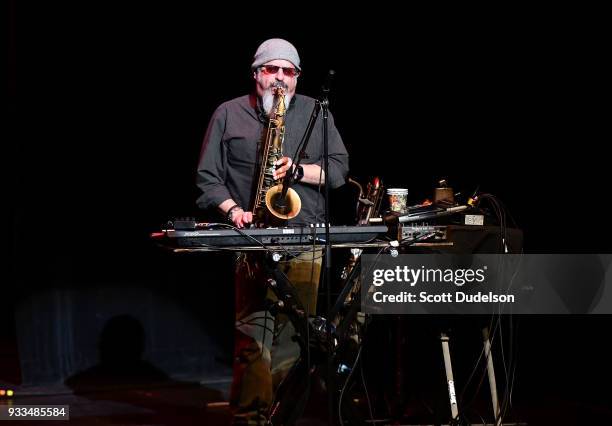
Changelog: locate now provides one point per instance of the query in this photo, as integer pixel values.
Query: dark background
(114, 102)
(108, 106)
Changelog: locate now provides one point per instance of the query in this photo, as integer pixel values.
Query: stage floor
(192, 403)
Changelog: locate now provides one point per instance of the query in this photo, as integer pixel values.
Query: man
(228, 165)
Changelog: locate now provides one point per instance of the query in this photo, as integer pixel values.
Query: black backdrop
(114, 102)
(109, 105)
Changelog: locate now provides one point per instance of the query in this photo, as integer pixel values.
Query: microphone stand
(331, 388)
(321, 104)
(297, 157)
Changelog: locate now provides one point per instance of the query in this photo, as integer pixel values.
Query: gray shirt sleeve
(338, 157)
(212, 166)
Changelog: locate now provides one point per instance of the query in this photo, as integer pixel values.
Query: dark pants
(264, 350)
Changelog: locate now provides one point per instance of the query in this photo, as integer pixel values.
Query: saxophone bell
(286, 207)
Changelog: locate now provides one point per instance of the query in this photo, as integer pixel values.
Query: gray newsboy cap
(276, 48)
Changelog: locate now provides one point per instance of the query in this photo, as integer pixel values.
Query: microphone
(430, 215)
(280, 202)
(328, 81)
(393, 218)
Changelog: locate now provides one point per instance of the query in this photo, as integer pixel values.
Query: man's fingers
(285, 164)
(243, 219)
(283, 160)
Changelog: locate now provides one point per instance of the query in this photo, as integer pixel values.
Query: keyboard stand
(448, 368)
(444, 339)
(293, 392)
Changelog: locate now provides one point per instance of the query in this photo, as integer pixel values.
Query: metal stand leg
(449, 377)
(491, 375)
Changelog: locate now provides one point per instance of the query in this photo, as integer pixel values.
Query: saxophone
(368, 206)
(266, 207)
(369, 203)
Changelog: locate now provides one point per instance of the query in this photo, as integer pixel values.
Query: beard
(268, 99)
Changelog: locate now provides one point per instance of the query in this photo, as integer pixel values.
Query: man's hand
(283, 165)
(234, 213)
(240, 218)
(312, 172)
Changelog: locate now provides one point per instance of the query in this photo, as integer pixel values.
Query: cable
(510, 364)
(287, 252)
(496, 323)
(264, 325)
(358, 356)
(365, 389)
(346, 384)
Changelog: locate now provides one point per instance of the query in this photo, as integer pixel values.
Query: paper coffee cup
(398, 199)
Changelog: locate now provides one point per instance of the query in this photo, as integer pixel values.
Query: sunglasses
(273, 69)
